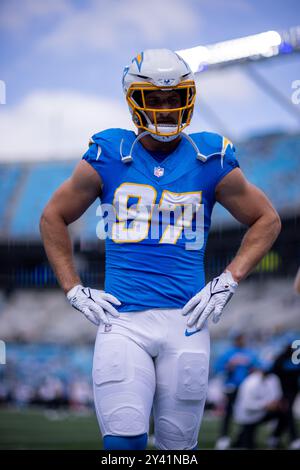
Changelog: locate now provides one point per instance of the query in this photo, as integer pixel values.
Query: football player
(152, 346)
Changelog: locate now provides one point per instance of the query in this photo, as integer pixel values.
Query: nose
(164, 117)
(165, 104)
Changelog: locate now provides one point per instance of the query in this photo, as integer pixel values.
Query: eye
(152, 101)
(174, 100)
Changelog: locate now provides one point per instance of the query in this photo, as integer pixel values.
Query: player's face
(163, 100)
(240, 341)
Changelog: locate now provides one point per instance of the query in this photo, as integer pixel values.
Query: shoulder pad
(211, 144)
(109, 136)
(99, 149)
(107, 140)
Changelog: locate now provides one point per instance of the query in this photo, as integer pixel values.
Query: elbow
(297, 287)
(43, 217)
(276, 224)
(44, 220)
(297, 283)
(49, 218)
(272, 222)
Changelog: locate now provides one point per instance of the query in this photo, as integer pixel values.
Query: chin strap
(128, 158)
(199, 155)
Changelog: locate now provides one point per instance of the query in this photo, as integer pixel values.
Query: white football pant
(145, 360)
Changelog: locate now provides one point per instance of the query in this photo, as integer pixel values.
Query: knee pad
(178, 423)
(176, 430)
(125, 442)
(120, 408)
(192, 376)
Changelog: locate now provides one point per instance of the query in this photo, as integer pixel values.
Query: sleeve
(226, 163)
(275, 388)
(103, 156)
(256, 402)
(254, 361)
(221, 362)
(92, 156)
(252, 397)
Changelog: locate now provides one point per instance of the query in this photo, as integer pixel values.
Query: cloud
(110, 25)
(230, 103)
(56, 124)
(221, 97)
(226, 85)
(19, 16)
(245, 6)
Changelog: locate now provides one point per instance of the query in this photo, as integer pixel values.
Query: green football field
(36, 429)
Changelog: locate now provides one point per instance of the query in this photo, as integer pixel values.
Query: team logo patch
(158, 171)
(139, 60)
(166, 81)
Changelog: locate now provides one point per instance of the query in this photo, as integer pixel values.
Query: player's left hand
(210, 300)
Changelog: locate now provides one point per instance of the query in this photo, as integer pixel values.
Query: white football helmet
(159, 69)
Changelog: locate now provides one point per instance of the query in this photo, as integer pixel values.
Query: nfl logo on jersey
(158, 171)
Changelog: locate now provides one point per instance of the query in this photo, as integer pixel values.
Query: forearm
(59, 251)
(256, 243)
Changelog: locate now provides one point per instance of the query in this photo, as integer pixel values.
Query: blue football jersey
(154, 249)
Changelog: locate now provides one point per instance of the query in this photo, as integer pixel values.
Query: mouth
(166, 123)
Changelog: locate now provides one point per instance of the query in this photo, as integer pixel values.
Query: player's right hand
(94, 304)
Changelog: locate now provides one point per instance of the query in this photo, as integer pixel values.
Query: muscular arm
(251, 207)
(67, 204)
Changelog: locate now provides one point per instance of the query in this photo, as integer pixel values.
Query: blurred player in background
(288, 373)
(235, 364)
(258, 401)
(152, 346)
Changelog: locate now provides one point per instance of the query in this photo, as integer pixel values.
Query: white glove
(94, 304)
(211, 299)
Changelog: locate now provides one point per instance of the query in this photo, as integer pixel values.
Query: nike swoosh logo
(190, 333)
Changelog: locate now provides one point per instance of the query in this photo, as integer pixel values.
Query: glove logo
(96, 305)
(211, 300)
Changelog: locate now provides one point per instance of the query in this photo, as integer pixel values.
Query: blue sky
(62, 62)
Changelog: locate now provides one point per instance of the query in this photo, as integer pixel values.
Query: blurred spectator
(259, 400)
(51, 393)
(288, 373)
(81, 395)
(236, 363)
(4, 391)
(23, 394)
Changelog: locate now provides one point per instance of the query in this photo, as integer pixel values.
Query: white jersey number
(133, 220)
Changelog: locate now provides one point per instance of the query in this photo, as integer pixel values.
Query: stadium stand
(41, 182)
(9, 178)
(49, 361)
(46, 316)
(271, 162)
